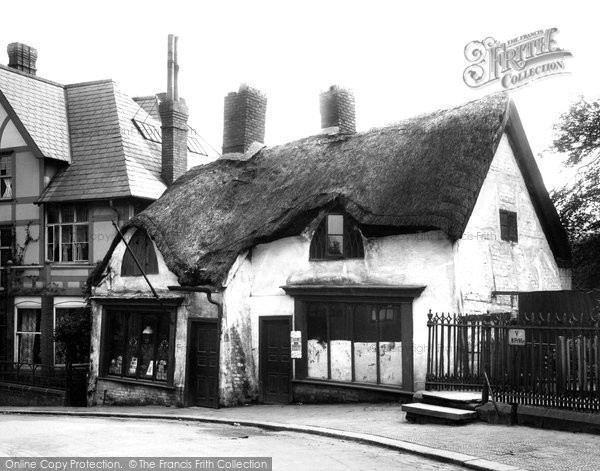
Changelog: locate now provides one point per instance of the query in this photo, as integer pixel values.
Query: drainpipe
(209, 292)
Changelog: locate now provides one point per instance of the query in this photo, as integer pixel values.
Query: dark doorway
(204, 364)
(275, 361)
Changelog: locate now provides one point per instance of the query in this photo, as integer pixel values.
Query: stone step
(468, 400)
(421, 412)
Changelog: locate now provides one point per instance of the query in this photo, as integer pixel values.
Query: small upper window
(6, 191)
(143, 249)
(336, 237)
(508, 226)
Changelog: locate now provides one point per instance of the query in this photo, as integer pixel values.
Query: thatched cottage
(305, 271)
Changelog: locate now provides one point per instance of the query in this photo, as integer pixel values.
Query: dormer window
(143, 249)
(337, 237)
(508, 226)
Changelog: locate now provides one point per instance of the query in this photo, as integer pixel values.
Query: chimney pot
(22, 57)
(244, 119)
(338, 110)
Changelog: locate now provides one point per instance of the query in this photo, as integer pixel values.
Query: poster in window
(150, 369)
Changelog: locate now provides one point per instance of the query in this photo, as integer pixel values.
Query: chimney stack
(22, 57)
(173, 116)
(244, 119)
(337, 111)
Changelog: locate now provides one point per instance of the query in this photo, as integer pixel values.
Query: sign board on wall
(516, 337)
(296, 344)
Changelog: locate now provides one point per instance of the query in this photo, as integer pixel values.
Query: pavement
(476, 446)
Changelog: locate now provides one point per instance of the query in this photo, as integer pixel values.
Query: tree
(578, 202)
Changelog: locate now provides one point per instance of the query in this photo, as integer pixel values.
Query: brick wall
(174, 116)
(244, 119)
(131, 394)
(338, 110)
(23, 395)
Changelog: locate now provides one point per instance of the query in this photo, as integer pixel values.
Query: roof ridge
(33, 77)
(91, 82)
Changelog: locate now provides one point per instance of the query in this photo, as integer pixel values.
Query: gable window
(143, 249)
(337, 237)
(6, 191)
(139, 345)
(67, 235)
(508, 226)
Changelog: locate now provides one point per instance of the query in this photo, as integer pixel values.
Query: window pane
(335, 245)
(52, 214)
(317, 340)
(6, 237)
(81, 234)
(66, 243)
(28, 348)
(67, 213)
(82, 213)
(116, 336)
(5, 166)
(162, 362)
(390, 363)
(147, 347)
(365, 343)
(340, 343)
(335, 224)
(28, 320)
(134, 331)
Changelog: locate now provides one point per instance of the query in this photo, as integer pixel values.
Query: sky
(400, 59)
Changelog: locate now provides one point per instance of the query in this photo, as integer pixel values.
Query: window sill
(138, 382)
(354, 385)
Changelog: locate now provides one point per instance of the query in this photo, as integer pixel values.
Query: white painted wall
(11, 137)
(485, 263)
(254, 284)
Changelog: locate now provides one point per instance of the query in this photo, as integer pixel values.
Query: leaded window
(337, 237)
(508, 226)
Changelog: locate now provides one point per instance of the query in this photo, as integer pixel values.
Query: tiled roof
(40, 105)
(110, 157)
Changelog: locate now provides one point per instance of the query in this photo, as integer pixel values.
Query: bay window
(67, 233)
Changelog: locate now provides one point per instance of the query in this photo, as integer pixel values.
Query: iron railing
(540, 359)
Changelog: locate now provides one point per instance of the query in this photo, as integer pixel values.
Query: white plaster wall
(254, 284)
(483, 261)
(10, 137)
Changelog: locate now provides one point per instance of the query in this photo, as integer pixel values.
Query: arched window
(142, 247)
(337, 237)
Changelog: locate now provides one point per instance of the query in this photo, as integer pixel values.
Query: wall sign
(516, 337)
(296, 344)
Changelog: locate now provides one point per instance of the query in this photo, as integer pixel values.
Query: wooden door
(204, 367)
(275, 361)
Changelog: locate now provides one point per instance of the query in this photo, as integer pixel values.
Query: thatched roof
(423, 172)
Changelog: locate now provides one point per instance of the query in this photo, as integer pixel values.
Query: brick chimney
(244, 119)
(337, 111)
(22, 57)
(173, 116)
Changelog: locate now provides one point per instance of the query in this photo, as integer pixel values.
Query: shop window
(63, 315)
(508, 226)
(28, 335)
(143, 249)
(355, 342)
(67, 233)
(337, 237)
(139, 345)
(6, 175)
